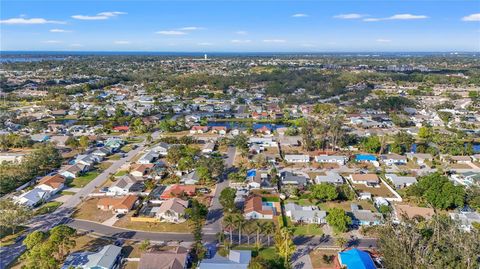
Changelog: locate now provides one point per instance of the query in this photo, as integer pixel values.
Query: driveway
(213, 225)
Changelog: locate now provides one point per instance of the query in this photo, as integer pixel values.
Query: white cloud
(241, 32)
(76, 45)
(472, 17)
(52, 41)
(349, 16)
(398, 17)
(171, 32)
(191, 28)
(59, 31)
(241, 41)
(100, 16)
(308, 45)
(205, 44)
(299, 15)
(29, 21)
(383, 40)
(274, 40)
(122, 42)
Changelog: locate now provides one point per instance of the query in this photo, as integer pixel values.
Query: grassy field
(127, 148)
(7, 237)
(48, 208)
(88, 211)
(114, 157)
(104, 165)
(120, 173)
(345, 205)
(307, 229)
(80, 182)
(382, 191)
(266, 253)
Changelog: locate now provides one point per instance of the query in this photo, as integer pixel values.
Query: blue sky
(241, 26)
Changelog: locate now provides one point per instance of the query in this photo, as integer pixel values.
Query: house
(466, 219)
(175, 258)
(263, 130)
(109, 257)
(208, 148)
(364, 217)
(297, 158)
(149, 157)
(102, 152)
(401, 181)
(221, 130)
(413, 211)
(191, 178)
(52, 184)
(125, 185)
(355, 259)
(369, 180)
(255, 208)
(420, 158)
(89, 159)
(32, 197)
(121, 129)
(162, 148)
(140, 170)
(340, 160)
(197, 129)
(289, 178)
(330, 177)
(460, 159)
(257, 179)
(305, 214)
(172, 210)
(73, 171)
(237, 259)
(365, 158)
(391, 159)
(176, 190)
(118, 205)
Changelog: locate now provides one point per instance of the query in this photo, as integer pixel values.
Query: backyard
(323, 258)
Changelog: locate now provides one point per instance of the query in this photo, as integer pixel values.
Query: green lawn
(266, 253)
(67, 193)
(270, 199)
(80, 182)
(114, 157)
(307, 229)
(48, 208)
(120, 173)
(127, 148)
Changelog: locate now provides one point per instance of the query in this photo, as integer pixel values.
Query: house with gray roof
(125, 185)
(297, 158)
(109, 257)
(466, 219)
(340, 160)
(364, 217)
(400, 181)
(305, 214)
(289, 178)
(237, 259)
(330, 177)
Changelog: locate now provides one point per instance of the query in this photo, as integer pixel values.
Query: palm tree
(229, 223)
(259, 227)
(240, 221)
(269, 229)
(248, 229)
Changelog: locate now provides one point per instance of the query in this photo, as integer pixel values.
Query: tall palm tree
(269, 229)
(229, 223)
(240, 221)
(259, 227)
(248, 229)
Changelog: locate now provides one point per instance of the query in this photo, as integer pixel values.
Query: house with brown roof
(369, 180)
(140, 170)
(118, 205)
(171, 210)
(221, 130)
(53, 184)
(197, 129)
(255, 208)
(413, 211)
(177, 190)
(168, 259)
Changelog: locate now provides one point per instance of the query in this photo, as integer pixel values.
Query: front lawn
(48, 208)
(323, 258)
(83, 180)
(307, 229)
(88, 211)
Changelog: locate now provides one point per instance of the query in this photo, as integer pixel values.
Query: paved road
(45, 222)
(213, 224)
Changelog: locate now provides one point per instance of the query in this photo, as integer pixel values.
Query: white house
(297, 158)
(305, 214)
(401, 181)
(330, 177)
(340, 160)
(33, 197)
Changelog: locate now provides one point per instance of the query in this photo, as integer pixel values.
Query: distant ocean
(29, 56)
